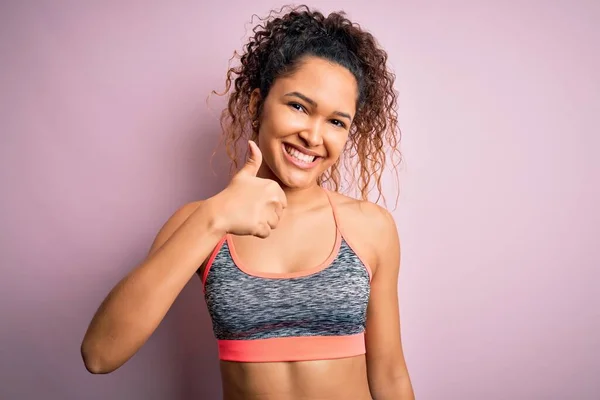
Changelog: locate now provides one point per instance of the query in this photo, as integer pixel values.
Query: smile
(299, 158)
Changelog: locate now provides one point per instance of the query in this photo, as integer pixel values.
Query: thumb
(254, 159)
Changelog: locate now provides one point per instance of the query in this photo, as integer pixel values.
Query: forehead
(330, 85)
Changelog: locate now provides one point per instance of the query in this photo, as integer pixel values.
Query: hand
(250, 205)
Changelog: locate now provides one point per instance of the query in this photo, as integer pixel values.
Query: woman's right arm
(138, 303)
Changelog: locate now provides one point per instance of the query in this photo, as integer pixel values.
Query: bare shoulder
(370, 227)
(367, 215)
(173, 223)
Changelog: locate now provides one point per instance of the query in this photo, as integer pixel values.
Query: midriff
(339, 379)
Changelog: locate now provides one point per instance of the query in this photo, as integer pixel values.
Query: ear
(253, 104)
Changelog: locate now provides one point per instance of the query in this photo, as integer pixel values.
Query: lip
(303, 150)
(300, 164)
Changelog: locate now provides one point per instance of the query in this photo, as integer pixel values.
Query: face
(305, 122)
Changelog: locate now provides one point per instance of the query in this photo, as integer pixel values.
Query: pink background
(105, 132)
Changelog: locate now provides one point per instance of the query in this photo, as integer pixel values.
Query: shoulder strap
(333, 210)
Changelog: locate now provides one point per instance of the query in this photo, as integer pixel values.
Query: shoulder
(368, 215)
(371, 228)
(173, 223)
(182, 214)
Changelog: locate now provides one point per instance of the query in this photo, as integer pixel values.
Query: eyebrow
(314, 104)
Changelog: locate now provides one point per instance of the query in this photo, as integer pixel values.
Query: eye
(338, 123)
(296, 106)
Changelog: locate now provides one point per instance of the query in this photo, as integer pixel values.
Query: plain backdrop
(105, 131)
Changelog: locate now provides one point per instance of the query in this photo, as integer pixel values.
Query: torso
(340, 379)
(302, 242)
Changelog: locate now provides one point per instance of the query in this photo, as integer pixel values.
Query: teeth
(298, 155)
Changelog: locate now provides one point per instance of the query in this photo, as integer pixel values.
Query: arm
(137, 304)
(387, 372)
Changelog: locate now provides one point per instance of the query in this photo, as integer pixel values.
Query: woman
(300, 281)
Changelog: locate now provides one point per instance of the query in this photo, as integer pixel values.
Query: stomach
(339, 379)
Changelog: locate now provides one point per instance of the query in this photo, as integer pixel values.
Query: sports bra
(313, 314)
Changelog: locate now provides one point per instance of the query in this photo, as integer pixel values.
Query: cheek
(336, 143)
(280, 121)
(286, 122)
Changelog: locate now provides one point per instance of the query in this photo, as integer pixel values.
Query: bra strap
(333, 210)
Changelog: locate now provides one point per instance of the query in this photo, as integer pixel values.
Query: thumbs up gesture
(251, 205)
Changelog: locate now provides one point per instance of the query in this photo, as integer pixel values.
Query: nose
(313, 135)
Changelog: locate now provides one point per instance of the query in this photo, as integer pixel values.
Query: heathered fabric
(330, 302)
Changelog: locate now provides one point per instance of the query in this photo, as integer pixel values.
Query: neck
(301, 198)
(298, 199)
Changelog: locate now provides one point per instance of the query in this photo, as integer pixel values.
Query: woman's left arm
(387, 372)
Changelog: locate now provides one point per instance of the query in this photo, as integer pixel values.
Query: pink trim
(277, 275)
(295, 348)
(339, 227)
(210, 261)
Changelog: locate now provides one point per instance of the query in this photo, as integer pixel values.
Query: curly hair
(276, 48)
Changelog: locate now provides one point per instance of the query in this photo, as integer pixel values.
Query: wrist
(215, 215)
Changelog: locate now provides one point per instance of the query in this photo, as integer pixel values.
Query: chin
(294, 182)
(294, 178)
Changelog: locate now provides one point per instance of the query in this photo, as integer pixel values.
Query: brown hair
(277, 45)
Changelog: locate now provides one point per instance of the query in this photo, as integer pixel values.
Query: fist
(252, 205)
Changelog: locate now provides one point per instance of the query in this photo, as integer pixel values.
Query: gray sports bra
(313, 314)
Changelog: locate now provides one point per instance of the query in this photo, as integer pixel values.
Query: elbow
(94, 360)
